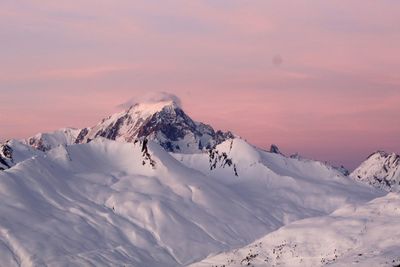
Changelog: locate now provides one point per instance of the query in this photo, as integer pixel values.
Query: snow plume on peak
(152, 98)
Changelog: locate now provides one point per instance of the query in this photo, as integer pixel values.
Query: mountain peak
(162, 121)
(379, 153)
(275, 149)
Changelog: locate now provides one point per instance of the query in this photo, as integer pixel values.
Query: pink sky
(335, 96)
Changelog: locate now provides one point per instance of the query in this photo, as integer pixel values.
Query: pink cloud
(67, 63)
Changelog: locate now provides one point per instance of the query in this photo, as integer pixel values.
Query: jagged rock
(81, 135)
(5, 156)
(6, 151)
(221, 160)
(343, 170)
(295, 156)
(274, 149)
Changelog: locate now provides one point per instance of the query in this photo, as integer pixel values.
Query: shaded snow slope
(289, 186)
(381, 170)
(110, 203)
(354, 235)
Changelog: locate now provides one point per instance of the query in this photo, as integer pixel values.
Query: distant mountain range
(168, 125)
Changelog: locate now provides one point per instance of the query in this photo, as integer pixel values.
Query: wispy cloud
(274, 71)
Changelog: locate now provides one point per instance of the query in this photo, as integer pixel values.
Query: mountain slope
(110, 203)
(163, 122)
(361, 235)
(381, 170)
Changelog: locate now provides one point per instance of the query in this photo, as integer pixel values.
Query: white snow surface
(354, 235)
(104, 204)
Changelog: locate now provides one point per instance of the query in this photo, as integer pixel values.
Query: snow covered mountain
(151, 187)
(381, 170)
(163, 122)
(361, 235)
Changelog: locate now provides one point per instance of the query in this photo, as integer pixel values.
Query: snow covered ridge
(360, 235)
(109, 203)
(381, 170)
(47, 141)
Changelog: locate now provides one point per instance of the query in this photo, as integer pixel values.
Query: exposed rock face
(381, 170)
(219, 159)
(81, 135)
(343, 170)
(275, 149)
(5, 156)
(164, 122)
(295, 156)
